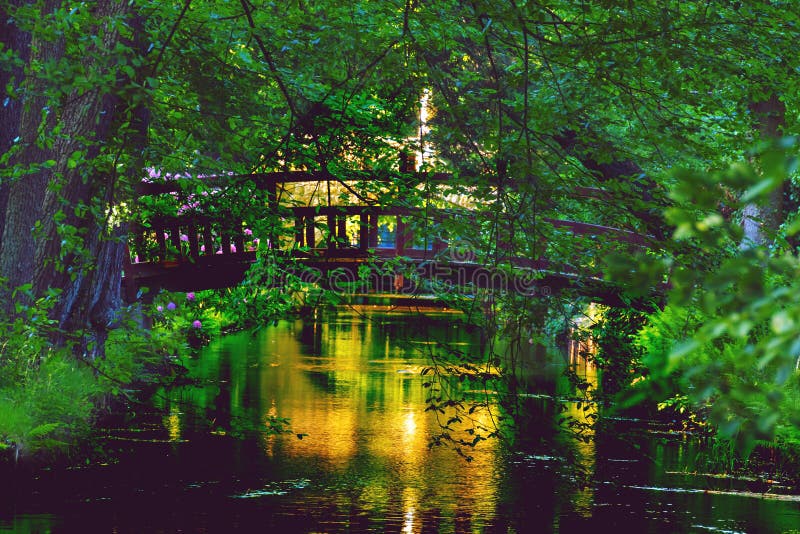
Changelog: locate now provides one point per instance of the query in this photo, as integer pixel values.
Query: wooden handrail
(269, 180)
(582, 228)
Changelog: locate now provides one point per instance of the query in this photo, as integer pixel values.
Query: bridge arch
(194, 250)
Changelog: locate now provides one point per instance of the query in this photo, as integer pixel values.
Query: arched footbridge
(367, 247)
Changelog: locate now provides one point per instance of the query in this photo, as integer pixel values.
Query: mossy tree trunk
(70, 162)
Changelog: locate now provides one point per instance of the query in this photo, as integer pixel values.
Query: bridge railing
(170, 244)
(359, 230)
(188, 238)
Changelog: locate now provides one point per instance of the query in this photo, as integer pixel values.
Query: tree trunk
(760, 222)
(89, 272)
(25, 193)
(19, 42)
(74, 249)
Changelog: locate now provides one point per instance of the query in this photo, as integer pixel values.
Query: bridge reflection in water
(350, 382)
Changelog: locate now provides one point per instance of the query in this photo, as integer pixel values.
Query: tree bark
(74, 249)
(19, 42)
(25, 193)
(760, 222)
(89, 275)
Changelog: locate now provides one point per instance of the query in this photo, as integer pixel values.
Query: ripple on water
(718, 529)
(280, 487)
(734, 493)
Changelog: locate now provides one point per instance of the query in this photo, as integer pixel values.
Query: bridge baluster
(238, 238)
(226, 243)
(138, 241)
(208, 238)
(311, 241)
(194, 248)
(439, 245)
(161, 240)
(298, 230)
(175, 238)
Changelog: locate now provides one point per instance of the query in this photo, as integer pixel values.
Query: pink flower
(202, 248)
(191, 205)
(190, 296)
(184, 237)
(248, 231)
(233, 248)
(160, 308)
(136, 259)
(256, 242)
(171, 306)
(197, 324)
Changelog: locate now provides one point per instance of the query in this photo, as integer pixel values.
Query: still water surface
(350, 384)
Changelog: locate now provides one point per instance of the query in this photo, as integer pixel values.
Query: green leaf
(680, 352)
(761, 189)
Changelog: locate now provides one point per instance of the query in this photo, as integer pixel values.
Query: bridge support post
(373, 231)
(401, 234)
(331, 232)
(272, 204)
(363, 232)
(341, 232)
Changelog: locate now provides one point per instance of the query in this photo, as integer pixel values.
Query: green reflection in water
(351, 385)
(350, 382)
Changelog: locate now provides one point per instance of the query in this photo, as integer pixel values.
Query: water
(351, 386)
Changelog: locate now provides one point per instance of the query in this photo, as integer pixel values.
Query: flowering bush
(186, 316)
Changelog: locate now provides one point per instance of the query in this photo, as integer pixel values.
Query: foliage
(46, 396)
(727, 338)
(24, 343)
(618, 359)
(528, 102)
(274, 287)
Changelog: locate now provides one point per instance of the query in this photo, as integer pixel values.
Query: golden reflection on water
(172, 422)
(585, 452)
(351, 385)
(350, 388)
(409, 505)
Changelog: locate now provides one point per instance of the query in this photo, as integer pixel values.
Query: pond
(358, 458)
